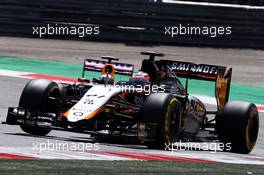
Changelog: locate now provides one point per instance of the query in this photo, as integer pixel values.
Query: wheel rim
(172, 123)
(252, 129)
(54, 92)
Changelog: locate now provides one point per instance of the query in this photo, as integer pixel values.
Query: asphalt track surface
(248, 70)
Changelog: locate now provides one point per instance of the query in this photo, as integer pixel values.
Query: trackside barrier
(139, 21)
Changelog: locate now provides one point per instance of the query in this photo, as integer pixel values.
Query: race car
(151, 106)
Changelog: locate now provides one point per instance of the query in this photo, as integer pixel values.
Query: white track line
(19, 74)
(214, 4)
(16, 74)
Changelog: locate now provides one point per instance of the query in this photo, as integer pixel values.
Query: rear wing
(219, 74)
(98, 65)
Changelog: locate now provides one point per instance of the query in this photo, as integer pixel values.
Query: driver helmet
(103, 79)
(140, 78)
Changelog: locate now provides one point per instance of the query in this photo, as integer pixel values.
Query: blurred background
(139, 21)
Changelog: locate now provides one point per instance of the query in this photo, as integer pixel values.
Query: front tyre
(36, 97)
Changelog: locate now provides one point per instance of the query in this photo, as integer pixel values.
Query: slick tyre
(36, 97)
(238, 126)
(165, 111)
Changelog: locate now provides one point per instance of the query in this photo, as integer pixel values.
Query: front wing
(21, 116)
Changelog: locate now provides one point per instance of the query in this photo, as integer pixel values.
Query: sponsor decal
(78, 114)
(81, 108)
(201, 68)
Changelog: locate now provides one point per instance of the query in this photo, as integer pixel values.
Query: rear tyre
(35, 97)
(238, 125)
(165, 111)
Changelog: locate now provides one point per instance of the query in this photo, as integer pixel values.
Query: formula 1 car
(153, 112)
